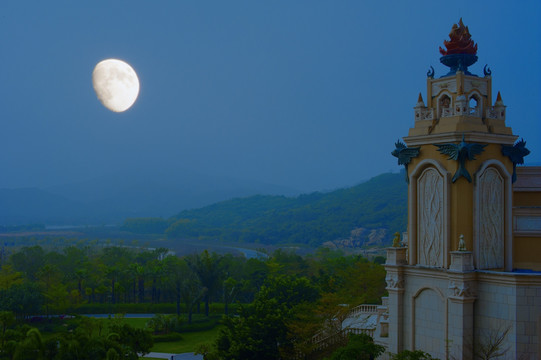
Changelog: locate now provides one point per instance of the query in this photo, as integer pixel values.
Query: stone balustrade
(496, 112)
(364, 309)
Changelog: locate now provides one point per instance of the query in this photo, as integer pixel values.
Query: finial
(460, 41)
(396, 240)
(499, 101)
(420, 102)
(461, 243)
(461, 50)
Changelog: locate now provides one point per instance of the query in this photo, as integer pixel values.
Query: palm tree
(32, 347)
(208, 269)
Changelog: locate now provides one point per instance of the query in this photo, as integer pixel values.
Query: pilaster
(396, 259)
(462, 296)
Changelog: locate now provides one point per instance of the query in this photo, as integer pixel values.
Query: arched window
(444, 105)
(474, 105)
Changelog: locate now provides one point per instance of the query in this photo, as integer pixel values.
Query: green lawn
(191, 340)
(189, 343)
(136, 322)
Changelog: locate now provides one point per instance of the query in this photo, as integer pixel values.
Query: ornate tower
(457, 279)
(460, 183)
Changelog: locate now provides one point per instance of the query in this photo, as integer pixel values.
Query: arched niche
(492, 217)
(445, 104)
(429, 321)
(429, 215)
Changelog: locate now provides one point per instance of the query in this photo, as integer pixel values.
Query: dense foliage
(81, 339)
(359, 347)
(307, 219)
(280, 302)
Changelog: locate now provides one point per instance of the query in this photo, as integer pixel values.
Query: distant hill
(362, 215)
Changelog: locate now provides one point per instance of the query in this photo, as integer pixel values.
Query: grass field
(189, 343)
(190, 340)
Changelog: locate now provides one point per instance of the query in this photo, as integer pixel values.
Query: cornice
(457, 137)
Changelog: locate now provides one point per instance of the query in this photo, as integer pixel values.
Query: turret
(458, 170)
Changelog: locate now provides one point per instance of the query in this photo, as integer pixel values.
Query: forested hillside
(366, 214)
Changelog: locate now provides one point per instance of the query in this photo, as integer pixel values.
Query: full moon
(116, 84)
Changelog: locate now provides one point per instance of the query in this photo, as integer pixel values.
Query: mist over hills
(220, 209)
(112, 199)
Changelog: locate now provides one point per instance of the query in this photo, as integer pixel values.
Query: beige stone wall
(510, 300)
(450, 313)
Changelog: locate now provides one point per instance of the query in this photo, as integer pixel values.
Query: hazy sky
(306, 94)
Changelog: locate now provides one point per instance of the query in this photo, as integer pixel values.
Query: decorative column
(461, 300)
(396, 259)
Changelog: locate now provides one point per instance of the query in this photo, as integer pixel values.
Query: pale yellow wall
(462, 191)
(527, 199)
(527, 253)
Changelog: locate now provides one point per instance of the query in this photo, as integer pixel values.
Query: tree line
(271, 305)
(35, 281)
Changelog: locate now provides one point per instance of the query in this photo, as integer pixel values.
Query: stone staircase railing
(364, 309)
(339, 337)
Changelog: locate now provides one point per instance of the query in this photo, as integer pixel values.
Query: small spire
(499, 101)
(420, 102)
(460, 89)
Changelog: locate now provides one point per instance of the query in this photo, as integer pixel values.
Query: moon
(116, 84)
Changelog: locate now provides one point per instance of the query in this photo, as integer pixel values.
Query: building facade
(469, 276)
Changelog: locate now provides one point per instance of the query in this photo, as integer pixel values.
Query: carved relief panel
(491, 219)
(430, 218)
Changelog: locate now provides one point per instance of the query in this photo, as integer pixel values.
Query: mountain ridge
(312, 219)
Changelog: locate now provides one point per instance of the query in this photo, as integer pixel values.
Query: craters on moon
(116, 84)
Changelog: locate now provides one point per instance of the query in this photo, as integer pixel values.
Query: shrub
(172, 336)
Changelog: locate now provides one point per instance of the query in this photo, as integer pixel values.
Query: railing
(424, 114)
(364, 309)
(340, 337)
(496, 113)
(323, 340)
(476, 111)
(450, 111)
(446, 112)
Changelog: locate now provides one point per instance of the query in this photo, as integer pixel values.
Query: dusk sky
(310, 95)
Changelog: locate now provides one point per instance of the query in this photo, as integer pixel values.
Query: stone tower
(458, 278)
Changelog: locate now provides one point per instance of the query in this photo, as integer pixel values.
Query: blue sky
(310, 95)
